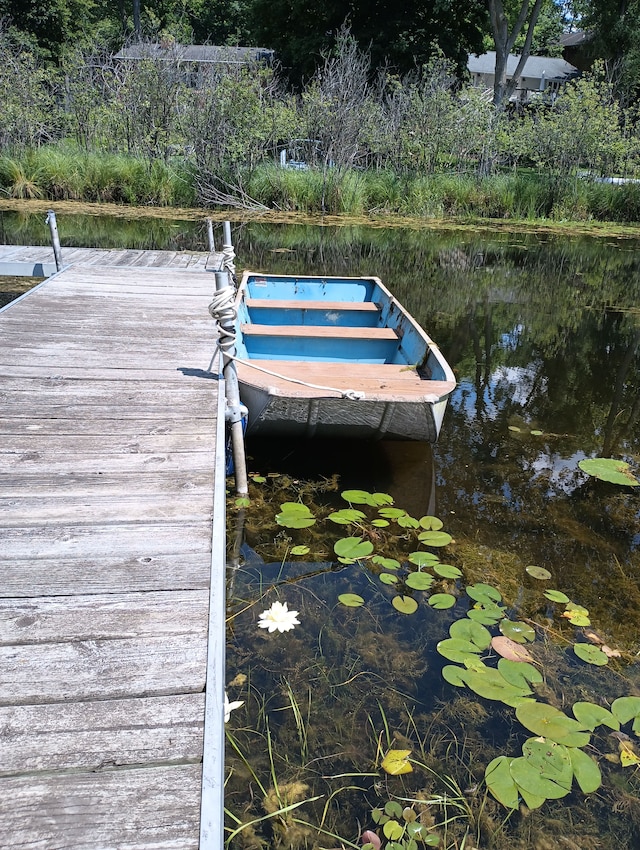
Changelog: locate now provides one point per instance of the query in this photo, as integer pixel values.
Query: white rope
(222, 309)
(354, 395)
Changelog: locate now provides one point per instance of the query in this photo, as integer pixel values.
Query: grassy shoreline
(566, 228)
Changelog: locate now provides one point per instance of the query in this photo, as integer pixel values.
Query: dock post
(212, 244)
(227, 250)
(55, 239)
(233, 392)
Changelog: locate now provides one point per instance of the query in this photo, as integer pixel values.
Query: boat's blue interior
(341, 312)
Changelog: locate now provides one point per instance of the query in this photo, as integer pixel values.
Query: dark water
(543, 334)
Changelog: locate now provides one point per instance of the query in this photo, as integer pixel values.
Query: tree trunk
(136, 20)
(504, 41)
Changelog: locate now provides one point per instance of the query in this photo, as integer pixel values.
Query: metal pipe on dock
(55, 239)
(212, 244)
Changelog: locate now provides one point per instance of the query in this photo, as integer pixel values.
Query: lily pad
(358, 497)
(453, 674)
(550, 722)
(386, 563)
(538, 572)
(518, 673)
(489, 614)
(396, 762)
(483, 593)
(442, 601)
(430, 523)
(585, 770)
(351, 600)
(435, 538)
(419, 581)
(626, 709)
(295, 515)
(447, 571)
(353, 548)
(551, 760)
(346, 516)
(592, 715)
(508, 648)
(557, 596)
(405, 604)
(609, 469)
(457, 649)
(500, 782)
(517, 631)
(591, 654)
(471, 631)
(528, 777)
(388, 578)
(300, 550)
(487, 682)
(423, 559)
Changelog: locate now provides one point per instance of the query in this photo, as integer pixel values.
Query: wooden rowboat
(336, 357)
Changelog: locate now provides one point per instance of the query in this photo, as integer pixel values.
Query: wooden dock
(112, 524)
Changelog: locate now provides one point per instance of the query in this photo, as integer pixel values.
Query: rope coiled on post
(223, 310)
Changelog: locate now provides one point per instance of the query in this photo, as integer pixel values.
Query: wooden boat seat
(300, 304)
(319, 331)
(388, 381)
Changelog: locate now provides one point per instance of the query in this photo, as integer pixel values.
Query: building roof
(535, 67)
(200, 53)
(575, 38)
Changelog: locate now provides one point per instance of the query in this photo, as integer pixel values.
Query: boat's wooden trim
(387, 382)
(300, 304)
(319, 331)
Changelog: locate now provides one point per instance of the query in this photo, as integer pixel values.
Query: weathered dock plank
(111, 502)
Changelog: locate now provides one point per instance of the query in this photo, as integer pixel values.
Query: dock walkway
(112, 521)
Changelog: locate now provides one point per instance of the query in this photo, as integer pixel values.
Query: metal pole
(234, 410)
(227, 249)
(55, 239)
(212, 244)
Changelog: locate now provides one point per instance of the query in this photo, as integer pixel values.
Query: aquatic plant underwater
(409, 704)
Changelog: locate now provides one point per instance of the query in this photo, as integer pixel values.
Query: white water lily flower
(230, 706)
(278, 618)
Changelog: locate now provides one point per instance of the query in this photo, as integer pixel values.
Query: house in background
(542, 76)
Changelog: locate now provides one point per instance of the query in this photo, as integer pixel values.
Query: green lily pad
(447, 571)
(405, 604)
(423, 559)
(483, 593)
(386, 563)
(577, 618)
(295, 515)
(435, 538)
(346, 516)
(453, 674)
(442, 601)
(626, 709)
(528, 777)
(536, 432)
(550, 722)
(353, 548)
(500, 782)
(550, 759)
(469, 630)
(419, 581)
(591, 654)
(585, 770)
(520, 674)
(430, 523)
(300, 550)
(609, 469)
(351, 600)
(489, 614)
(392, 513)
(592, 715)
(388, 578)
(487, 682)
(519, 632)
(456, 649)
(556, 596)
(358, 497)
(407, 521)
(380, 523)
(538, 572)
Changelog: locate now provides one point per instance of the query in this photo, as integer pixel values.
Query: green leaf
(346, 516)
(423, 559)
(388, 578)
(382, 499)
(353, 547)
(405, 604)
(419, 581)
(626, 708)
(471, 631)
(380, 523)
(549, 722)
(500, 782)
(386, 563)
(358, 497)
(585, 770)
(392, 829)
(432, 840)
(519, 632)
(300, 550)
(295, 515)
(407, 521)
(351, 600)
(486, 594)
(392, 513)
(456, 649)
(538, 572)
(430, 523)
(591, 654)
(592, 715)
(442, 601)
(453, 674)
(609, 469)
(551, 760)
(526, 776)
(435, 538)
(391, 807)
(487, 682)
(556, 596)
(519, 673)
(447, 571)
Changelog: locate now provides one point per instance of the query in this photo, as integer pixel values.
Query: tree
(504, 39)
